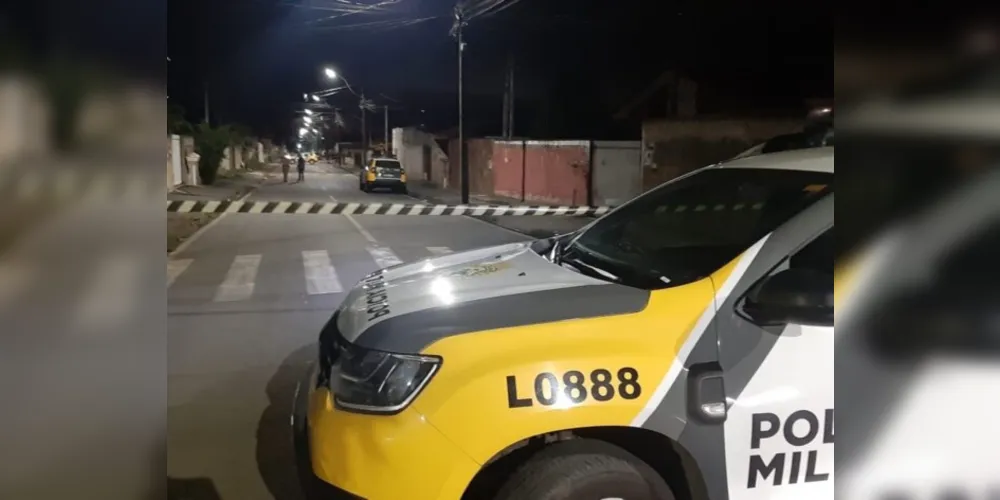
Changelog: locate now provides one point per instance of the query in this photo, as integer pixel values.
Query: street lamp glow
(309, 112)
(302, 131)
(330, 73)
(315, 98)
(307, 119)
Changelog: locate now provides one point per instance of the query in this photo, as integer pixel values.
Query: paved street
(246, 300)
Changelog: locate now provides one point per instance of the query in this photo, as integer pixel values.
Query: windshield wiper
(564, 255)
(577, 263)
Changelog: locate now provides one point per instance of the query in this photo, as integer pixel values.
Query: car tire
(584, 469)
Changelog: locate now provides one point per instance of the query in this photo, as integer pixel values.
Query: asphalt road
(246, 300)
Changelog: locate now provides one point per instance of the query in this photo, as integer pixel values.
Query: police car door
(775, 334)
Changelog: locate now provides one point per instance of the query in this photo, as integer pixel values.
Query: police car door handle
(707, 393)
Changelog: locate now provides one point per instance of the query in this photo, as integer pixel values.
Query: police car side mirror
(801, 296)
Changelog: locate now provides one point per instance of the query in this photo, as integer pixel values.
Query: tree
(176, 122)
(210, 143)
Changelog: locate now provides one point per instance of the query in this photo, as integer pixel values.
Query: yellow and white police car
(678, 347)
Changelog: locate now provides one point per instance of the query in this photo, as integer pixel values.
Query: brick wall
(673, 147)
(542, 171)
(480, 158)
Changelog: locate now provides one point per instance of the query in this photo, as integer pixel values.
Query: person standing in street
(302, 168)
(286, 165)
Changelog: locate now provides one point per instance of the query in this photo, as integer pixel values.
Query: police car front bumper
(377, 457)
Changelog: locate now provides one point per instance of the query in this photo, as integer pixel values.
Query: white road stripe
(439, 250)
(174, 269)
(383, 256)
(321, 277)
(415, 209)
(110, 297)
(239, 281)
(364, 232)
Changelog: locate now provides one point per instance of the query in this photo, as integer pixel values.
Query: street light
(302, 131)
(315, 98)
(309, 112)
(330, 73)
(307, 119)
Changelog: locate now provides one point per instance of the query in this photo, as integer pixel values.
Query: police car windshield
(685, 230)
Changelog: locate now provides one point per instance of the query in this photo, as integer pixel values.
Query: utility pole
(364, 129)
(463, 165)
(506, 101)
(386, 144)
(206, 103)
(512, 99)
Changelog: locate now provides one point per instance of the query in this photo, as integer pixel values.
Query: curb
(197, 234)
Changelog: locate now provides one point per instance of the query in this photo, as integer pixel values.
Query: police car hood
(407, 307)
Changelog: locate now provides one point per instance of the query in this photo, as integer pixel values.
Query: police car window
(815, 256)
(683, 231)
(387, 164)
(953, 312)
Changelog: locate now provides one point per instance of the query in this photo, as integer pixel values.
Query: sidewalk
(228, 187)
(538, 226)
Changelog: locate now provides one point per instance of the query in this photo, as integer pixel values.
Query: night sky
(577, 61)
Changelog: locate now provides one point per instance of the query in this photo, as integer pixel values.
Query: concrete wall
(420, 155)
(673, 147)
(24, 120)
(551, 172)
(175, 162)
(617, 171)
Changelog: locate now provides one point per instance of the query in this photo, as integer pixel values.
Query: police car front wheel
(584, 469)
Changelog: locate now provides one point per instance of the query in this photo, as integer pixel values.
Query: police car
(679, 347)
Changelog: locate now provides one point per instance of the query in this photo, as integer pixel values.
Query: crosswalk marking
(239, 281)
(383, 256)
(174, 269)
(439, 250)
(321, 277)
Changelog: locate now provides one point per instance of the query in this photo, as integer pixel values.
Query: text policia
(802, 430)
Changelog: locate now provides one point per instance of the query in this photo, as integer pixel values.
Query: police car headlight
(371, 381)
